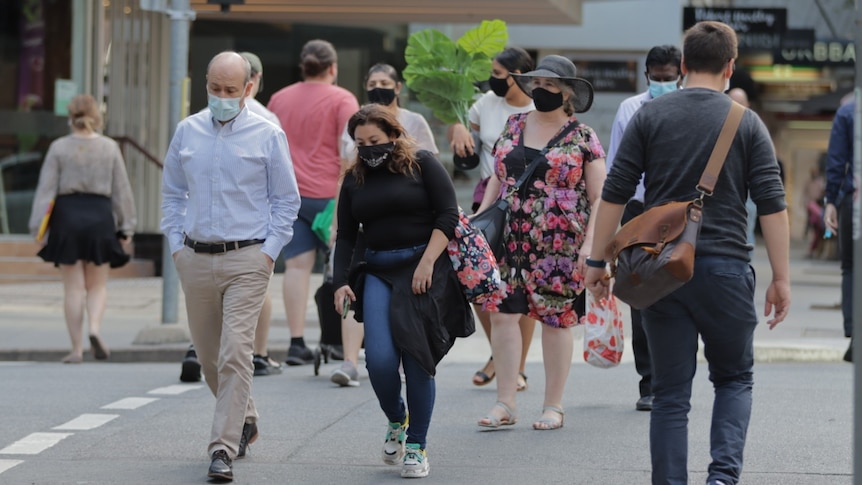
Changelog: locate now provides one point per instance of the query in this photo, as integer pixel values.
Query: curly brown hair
(403, 159)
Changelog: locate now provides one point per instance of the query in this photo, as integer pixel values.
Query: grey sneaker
(346, 375)
(415, 462)
(393, 447)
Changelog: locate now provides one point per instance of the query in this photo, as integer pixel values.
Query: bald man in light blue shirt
(229, 202)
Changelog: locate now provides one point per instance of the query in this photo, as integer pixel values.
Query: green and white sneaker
(415, 462)
(393, 447)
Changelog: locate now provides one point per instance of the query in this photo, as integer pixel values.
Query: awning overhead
(559, 12)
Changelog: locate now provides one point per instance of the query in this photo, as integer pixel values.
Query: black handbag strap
(528, 172)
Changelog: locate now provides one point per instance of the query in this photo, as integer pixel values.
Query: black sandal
(481, 378)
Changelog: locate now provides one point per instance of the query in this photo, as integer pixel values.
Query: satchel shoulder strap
(719, 152)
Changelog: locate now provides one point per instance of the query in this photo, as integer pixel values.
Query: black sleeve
(348, 227)
(441, 193)
(765, 186)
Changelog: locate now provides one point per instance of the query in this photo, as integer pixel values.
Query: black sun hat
(559, 67)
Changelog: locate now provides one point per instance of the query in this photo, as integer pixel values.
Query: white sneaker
(346, 375)
(393, 447)
(415, 462)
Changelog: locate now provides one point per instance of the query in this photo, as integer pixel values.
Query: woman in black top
(409, 296)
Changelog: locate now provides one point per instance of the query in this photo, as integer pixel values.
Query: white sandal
(494, 422)
(547, 424)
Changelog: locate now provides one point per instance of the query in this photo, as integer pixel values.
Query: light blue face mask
(223, 109)
(656, 88)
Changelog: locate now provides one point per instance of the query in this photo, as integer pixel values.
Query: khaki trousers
(224, 294)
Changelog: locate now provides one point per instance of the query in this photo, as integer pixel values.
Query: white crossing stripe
(87, 421)
(174, 390)
(7, 464)
(34, 443)
(130, 403)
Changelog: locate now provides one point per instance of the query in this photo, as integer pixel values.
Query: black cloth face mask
(499, 86)
(375, 155)
(546, 101)
(382, 96)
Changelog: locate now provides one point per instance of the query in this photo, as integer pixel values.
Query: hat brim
(583, 89)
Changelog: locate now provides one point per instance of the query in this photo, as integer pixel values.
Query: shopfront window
(35, 39)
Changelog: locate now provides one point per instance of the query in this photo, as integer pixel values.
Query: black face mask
(381, 96)
(499, 86)
(546, 101)
(375, 155)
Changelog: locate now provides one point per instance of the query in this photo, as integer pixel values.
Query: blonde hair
(84, 113)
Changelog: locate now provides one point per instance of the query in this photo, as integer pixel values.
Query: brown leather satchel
(653, 254)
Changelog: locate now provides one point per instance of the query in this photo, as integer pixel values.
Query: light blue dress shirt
(625, 112)
(230, 182)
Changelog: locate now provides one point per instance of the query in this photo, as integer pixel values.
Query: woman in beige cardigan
(84, 188)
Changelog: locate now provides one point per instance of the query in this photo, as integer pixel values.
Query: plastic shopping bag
(603, 332)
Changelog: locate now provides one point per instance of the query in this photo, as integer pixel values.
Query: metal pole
(857, 260)
(181, 16)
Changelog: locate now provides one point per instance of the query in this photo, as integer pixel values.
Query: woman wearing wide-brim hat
(549, 232)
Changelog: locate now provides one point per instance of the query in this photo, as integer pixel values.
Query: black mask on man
(546, 101)
(499, 86)
(381, 96)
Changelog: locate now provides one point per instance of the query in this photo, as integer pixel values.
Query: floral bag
(475, 264)
(603, 332)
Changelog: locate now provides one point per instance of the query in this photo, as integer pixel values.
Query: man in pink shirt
(313, 114)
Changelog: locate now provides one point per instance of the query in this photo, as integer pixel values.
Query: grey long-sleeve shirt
(670, 139)
(90, 165)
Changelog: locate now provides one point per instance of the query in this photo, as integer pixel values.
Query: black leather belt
(218, 248)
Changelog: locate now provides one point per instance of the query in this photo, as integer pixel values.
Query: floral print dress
(547, 224)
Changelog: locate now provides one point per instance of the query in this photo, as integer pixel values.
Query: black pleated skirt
(82, 228)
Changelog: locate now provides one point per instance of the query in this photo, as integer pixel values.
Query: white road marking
(174, 390)
(34, 443)
(87, 421)
(7, 464)
(130, 403)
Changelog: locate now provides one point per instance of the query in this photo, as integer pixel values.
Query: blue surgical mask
(223, 109)
(656, 88)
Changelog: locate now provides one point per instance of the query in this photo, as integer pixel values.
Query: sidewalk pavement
(31, 319)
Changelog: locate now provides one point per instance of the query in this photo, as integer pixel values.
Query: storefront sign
(822, 52)
(742, 20)
(757, 29)
(610, 76)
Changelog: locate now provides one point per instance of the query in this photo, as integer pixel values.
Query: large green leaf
(429, 47)
(489, 38)
(441, 73)
(444, 93)
(479, 69)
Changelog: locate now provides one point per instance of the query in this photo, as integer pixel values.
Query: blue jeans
(718, 304)
(382, 357)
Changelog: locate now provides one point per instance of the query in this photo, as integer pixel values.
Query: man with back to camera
(663, 76)
(670, 140)
(313, 113)
(229, 202)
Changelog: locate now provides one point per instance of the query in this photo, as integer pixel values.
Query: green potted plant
(443, 74)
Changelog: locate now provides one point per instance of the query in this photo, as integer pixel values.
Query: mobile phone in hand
(345, 307)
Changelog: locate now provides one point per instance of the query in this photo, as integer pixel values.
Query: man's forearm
(607, 219)
(776, 234)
